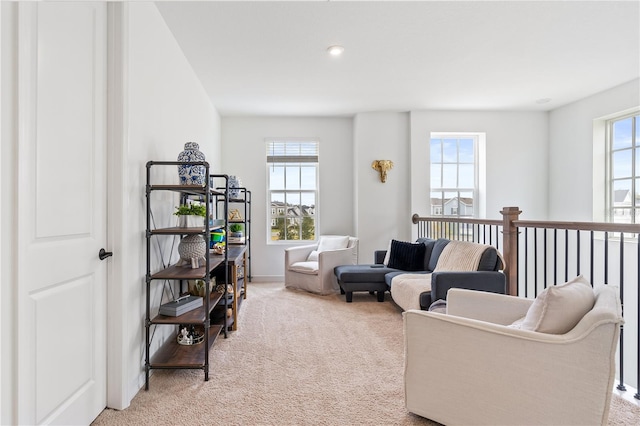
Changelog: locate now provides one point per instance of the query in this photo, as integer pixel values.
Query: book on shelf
(180, 306)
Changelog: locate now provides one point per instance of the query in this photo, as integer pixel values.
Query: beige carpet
(297, 359)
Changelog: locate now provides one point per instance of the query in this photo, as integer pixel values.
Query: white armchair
(310, 267)
(470, 367)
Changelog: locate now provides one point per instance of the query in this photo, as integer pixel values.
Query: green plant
(193, 209)
(235, 227)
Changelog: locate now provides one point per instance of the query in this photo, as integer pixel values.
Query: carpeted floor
(296, 359)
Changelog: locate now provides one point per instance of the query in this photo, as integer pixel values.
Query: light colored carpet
(296, 359)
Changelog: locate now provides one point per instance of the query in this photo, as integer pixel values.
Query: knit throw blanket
(460, 256)
(456, 256)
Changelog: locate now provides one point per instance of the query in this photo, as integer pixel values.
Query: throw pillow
(406, 256)
(332, 242)
(387, 255)
(313, 256)
(559, 308)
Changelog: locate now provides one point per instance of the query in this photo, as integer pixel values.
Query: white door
(61, 297)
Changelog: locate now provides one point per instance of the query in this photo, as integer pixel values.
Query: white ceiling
(269, 58)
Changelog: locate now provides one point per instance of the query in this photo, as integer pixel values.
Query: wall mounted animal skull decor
(382, 166)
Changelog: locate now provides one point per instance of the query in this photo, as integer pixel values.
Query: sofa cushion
(406, 256)
(558, 309)
(305, 267)
(488, 260)
(394, 273)
(429, 243)
(438, 246)
(361, 273)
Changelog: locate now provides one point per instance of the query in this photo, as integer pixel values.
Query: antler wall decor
(382, 166)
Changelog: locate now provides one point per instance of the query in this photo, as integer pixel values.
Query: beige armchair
(310, 267)
(470, 366)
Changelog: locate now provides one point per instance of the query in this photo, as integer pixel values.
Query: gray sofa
(378, 278)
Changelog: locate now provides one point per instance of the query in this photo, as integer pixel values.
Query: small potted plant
(191, 215)
(236, 230)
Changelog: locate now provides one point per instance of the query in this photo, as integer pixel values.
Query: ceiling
(270, 58)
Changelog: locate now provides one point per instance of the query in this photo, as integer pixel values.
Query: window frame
(634, 149)
(439, 210)
(290, 161)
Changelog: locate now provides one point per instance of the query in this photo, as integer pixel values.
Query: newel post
(510, 247)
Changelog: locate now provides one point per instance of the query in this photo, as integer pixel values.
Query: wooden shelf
(174, 355)
(197, 316)
(176, 230)
(186, 272)
(186, 189)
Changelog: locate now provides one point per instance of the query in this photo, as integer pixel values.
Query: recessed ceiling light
(335, 50)
(543, 101)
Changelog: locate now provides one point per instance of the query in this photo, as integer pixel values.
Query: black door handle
(102, 254)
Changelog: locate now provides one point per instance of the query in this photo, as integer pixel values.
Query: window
(292, 186)
(623, 202)
(453, 165)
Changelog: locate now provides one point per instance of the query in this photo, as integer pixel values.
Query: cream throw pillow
(329, 242)
(559, 308)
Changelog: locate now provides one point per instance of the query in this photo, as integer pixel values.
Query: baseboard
(267, 278)
(627, 395)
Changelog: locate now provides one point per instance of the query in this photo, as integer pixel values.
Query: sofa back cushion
(438, 246)
(429, 244)
(489, 260)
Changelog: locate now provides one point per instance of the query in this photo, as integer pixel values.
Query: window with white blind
(292, 189)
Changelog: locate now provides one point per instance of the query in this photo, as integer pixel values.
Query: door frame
(118, 396)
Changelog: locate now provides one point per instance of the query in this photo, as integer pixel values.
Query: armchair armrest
(441, 282)
(298, 254)
(491, 281)
(489, 307)
(327, 260)
(332, 258)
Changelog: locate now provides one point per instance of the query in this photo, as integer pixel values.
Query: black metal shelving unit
(239, 270)
(244, 200)
(172, 355)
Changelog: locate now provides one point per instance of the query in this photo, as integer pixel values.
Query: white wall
(516, 153)
(382, 209)
(576, 160)
(244, 155)
(165, 106)
(577, 154)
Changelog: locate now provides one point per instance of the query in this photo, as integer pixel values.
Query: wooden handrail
(415, 219)
(631, 228)
(510, 228)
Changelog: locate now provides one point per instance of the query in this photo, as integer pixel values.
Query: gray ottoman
(362, 278)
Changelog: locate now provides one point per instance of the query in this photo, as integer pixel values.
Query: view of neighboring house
(622, 205)
(456, 206)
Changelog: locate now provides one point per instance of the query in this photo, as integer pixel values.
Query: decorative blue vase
(234, 183)
(190, 174)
